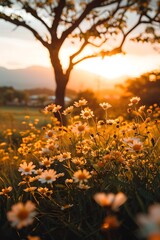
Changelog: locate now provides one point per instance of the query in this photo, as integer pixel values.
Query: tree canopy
(147, 87)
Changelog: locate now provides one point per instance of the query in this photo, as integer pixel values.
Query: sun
(110, 67)
(117, 66)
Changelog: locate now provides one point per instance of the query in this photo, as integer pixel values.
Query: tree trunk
(60, 93)
(60, 100)
(61, 80)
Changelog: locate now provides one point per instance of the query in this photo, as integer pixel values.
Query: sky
(19, 49)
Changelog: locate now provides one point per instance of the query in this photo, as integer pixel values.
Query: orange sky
(19, 49)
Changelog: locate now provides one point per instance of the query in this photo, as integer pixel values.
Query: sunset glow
(118, 66)
(113, 67)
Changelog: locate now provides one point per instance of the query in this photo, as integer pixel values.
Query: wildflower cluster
(61, 171)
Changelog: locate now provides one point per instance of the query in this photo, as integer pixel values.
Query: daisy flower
(48, 176)
(80, 128)
(110, 200)
(26, 169)
(68, 110)
(22, 215)
(64, 156)
(105, 105)
(86, 113)
(134, 101)
(80, 103)
(81, 176)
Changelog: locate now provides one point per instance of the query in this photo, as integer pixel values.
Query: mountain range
(42, 77)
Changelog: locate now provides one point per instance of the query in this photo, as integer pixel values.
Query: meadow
(13, 116)
(94, 178)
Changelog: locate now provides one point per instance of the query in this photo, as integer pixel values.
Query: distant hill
(28, 78)
(42, 77)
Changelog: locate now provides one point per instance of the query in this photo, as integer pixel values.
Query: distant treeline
(9, 94)
(147, 87)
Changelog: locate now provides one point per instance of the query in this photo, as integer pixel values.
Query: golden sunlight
(117, 66)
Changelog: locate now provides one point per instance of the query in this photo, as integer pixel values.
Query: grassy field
(89, 180)
(13, 116)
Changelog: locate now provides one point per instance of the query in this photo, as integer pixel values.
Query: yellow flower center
(137, 147)
(81, 128)
(64, 155)
(27, 169)
(23, 214)
(82, 176)
(48, 178)
(86, 114)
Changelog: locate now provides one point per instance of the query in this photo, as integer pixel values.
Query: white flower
(152, 217)
(105, 105)
(104, 199)
(64, 156)
(119, 199)
(44, 151)
(48, 176)
(141, 108)
(26, 169)
(46, 162)
(134, 100)
(22, 215)
(52, 108)
(80, 128)
(80, 103)
(68, 110)
(134, 143)
(87, 113)
(81, 176)
(150, 223)
(111, 200)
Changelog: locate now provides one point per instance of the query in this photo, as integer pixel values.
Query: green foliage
(147, 86)
(9, 95)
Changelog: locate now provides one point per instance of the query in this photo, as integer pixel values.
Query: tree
(82, 23)
(147, 87)
(9, 94)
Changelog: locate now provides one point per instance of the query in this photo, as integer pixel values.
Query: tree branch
(102, 21)
(33, 12)
(86, 57)
(79, 51)
(89, 7)
(58, 12)
(23, 24)
(153, 19)
(127, 33)
(97, 45)
(101, 53)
